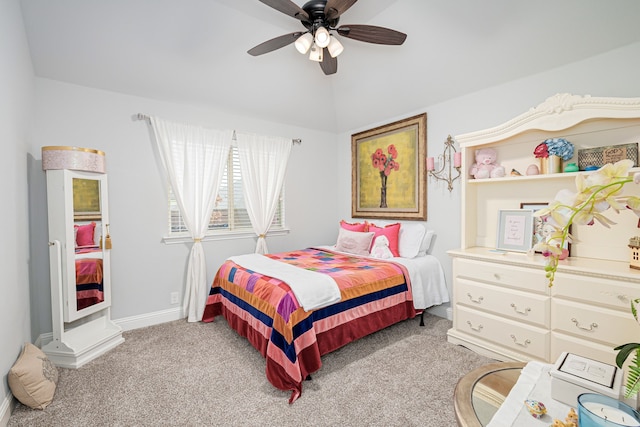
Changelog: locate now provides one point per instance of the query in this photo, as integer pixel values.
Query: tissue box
(573, 375)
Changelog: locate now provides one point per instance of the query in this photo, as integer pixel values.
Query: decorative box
(573, 375)
(600, 156)
(74, 158)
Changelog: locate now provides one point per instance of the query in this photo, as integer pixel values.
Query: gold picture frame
(388, 177)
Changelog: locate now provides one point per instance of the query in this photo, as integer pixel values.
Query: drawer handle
(521, 344)
(478, 328)
(515, 308)
(477, 301)
(586, 328)
(496, 276)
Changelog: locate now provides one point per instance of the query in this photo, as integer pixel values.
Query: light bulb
(303, 43)
(322, 37)
(315, 54)
(335, 48)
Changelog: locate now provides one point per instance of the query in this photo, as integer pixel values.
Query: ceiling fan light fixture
(315, 54)
(304, 42)
(322, 37)
(335, 48)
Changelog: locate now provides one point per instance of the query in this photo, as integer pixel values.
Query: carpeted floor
(204, 374)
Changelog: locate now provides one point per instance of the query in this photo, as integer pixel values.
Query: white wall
(145, 270)
(612, 74)
(16, 81)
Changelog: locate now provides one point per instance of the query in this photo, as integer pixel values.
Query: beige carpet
(197, 374)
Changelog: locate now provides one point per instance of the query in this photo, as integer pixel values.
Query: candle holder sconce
(449, 161)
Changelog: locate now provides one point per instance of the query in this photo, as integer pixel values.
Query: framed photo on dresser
(515, 230)
(540, 229)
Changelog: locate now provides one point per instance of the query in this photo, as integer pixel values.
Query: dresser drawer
(517, 305)
(527, 279)
(528, 340)
(607, 326)
(608, 292)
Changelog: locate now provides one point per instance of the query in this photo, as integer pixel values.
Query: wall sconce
(449, 160)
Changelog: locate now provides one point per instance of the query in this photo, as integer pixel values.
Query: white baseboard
(129, 323)
(6, 407)
(149, 319)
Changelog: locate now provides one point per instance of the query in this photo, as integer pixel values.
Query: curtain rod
(141, 116)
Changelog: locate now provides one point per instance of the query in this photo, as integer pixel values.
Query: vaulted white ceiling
(194, 52)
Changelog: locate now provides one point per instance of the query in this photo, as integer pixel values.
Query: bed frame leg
(422, 318)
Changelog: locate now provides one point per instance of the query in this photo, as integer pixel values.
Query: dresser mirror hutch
(79, 256)
(502, 305)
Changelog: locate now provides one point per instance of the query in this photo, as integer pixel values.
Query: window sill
(232, 235)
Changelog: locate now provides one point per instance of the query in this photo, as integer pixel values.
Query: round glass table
(479, 394)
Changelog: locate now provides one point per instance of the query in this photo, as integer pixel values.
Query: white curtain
(263, 162)
(194, 159)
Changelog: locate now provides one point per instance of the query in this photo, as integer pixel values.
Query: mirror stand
(80, 275)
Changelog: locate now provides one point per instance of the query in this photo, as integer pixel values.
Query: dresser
(502, 305)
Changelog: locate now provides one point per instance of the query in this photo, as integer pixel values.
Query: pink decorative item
(533, 170)
(74, 158)
(486, 165)
(457, 160)
(430, 164)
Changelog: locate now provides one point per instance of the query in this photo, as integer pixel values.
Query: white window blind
(229, 213)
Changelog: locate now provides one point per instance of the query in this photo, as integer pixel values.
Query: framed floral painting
(388, 171)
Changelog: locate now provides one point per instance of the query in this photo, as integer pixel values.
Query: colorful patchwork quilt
(374, 294)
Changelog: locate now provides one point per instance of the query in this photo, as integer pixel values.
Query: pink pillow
(354, 242)
(84, 234)
(391, 231)
(357, 226)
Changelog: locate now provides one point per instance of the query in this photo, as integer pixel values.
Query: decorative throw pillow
(354, 242)
(33, 378)
(85, 234)
(391, 231)
(356, 226)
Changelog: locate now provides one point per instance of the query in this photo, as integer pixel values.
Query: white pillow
(426, 243)
(354, 242)
(410, 239)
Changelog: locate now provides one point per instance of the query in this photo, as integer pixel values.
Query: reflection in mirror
(87, 224)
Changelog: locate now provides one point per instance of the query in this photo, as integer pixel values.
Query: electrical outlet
(174, 297)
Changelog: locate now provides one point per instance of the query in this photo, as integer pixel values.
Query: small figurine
(515, 173)
(535, 408)
(533, 170)
(570, 421)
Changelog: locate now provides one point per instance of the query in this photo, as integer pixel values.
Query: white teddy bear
(380, 248)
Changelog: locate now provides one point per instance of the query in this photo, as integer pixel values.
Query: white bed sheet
(428, 283)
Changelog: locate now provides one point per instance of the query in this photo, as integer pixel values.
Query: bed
(269, 300)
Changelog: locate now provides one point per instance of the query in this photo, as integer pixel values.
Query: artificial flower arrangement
(596, 193)
(554, 147)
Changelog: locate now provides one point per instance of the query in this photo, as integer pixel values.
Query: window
(229, 214)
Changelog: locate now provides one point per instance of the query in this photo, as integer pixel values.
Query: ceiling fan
(320, 18)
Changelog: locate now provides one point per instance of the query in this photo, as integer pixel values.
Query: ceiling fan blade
(372, 34)
(273, 44)
(329, 64)
(334, 8)
(288, 8)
